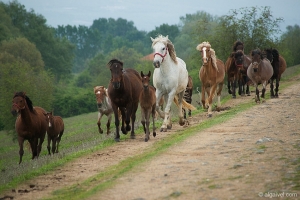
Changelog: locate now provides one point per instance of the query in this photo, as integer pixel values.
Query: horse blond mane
(168, 43)
(212, 52)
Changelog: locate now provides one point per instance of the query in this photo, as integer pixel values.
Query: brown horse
(124, 90)
(104, 107)
(30, 124)
(55, 131)
(279, 66)
(147, 105)
(236, 69)
(211, 74)
(188, 96)
(260, 71)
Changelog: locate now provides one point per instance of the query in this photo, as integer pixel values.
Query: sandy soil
(244, 158)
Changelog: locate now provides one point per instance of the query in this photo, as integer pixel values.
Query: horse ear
(142, 74)
(149, 74)
(152, 39)
(167, 36)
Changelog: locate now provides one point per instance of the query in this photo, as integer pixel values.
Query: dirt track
(247, 156)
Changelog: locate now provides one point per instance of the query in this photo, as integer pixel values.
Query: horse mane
(28, 101)
(212, 52)
(114, 60)
(238, 45)
(275, 54)
(168, 43)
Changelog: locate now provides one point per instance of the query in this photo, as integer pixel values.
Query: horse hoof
(128, 128)
(154, 134)
(124, 131)
(163, 130)
(132, 136)
(146, 139)
(101, 131)
(117, 139)
(169, 127)
(234, 97)
(209, 115)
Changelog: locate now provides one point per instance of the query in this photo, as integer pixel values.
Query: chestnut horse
(55, 131)
(260, 71)
(188, 96)
(104, 107)
(211, 74)
(279, 66)
(30, 124)
(124, 91)
(147, 104)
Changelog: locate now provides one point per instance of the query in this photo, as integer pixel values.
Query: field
(81, 138)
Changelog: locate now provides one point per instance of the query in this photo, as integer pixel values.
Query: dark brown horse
(124, 90)
(55, 131)
(104, 107)
(279, 66)
(236, 69)
(147, 105)
(188, 96)
(211, 74)
(260, 71)
(30, 124)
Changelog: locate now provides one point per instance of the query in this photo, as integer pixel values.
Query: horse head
(239, 59)
(256, 59)
(205, 53)
(146, 79)
(101, 93)
(162, 47)
(49, 118)
(20, 100)
(116, 69)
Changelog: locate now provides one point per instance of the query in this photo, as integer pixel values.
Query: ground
(247, 157)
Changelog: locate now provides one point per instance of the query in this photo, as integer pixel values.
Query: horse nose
(255, 69)
(156, 64)
(116, 85)
(14, 112)
(99, 105)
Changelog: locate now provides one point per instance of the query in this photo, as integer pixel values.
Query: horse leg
(169, 98)
(247, 86)
(184, 113)
(143, 119)
(257, 99)
(159, 107)
(272, 88)
(54, 145)
(133, 117)
(123, 113)
(21, 150)
(48, 143)
(99, 122)
(58, 140)
(180, 114)
(117, 123)
(108, 123)
(153, 112)
(263, 90)
(203, 96)
(40, 143)
(220, 88)
(210, 99)
(233, 89)
(35, 148)
(277, 87)
(228, 85)
(147, 118)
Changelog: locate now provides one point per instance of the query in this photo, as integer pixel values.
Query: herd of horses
(129, 89)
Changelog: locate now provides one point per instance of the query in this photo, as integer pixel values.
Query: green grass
(81, 137)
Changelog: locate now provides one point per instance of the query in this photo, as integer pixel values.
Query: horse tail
(185, 104)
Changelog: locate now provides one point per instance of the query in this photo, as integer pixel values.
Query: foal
(148, 104)
(104, 107)
(55, 130)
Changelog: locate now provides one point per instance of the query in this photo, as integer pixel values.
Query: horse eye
(163, 48)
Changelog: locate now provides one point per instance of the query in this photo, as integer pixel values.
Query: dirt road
(249, 156)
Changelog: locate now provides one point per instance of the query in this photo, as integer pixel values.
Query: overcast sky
(146, 15)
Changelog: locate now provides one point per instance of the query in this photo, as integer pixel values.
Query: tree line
(59, 66)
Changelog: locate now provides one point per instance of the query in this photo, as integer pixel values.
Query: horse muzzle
(156, 64)
(116, 85)
(99, 105)
(255, 69)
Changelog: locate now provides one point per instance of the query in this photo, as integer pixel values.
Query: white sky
(146, 14)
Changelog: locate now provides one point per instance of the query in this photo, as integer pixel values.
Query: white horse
(170, 79)
(104, 107)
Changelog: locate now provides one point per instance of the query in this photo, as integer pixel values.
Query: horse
(104, 107)
(170, 78)
(188, 96)
(30, 124)
(279, 66)
(260, 71)
(55, 131)
(211, 74)
(147, 104)
(124, 90)
(236, 69)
